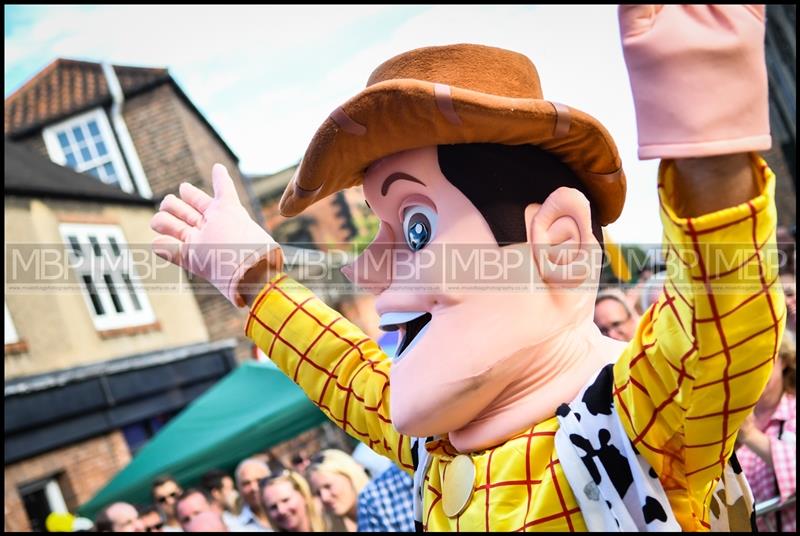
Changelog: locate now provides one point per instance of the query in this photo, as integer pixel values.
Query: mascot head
(491, 201)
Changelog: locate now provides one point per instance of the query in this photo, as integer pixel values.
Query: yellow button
(458, 485)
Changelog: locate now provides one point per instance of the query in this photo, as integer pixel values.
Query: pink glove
(213, 238)
(699, 78)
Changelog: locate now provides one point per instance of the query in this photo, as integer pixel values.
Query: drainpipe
(124, 137)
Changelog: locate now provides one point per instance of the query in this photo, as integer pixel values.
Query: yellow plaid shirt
(697, 365)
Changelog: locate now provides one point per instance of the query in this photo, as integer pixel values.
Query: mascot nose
(372, 270)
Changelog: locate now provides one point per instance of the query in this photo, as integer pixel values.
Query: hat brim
(398, 115)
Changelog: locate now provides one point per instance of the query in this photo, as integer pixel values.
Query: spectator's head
(646, 273)
(614, 316)
(789, 290)
(289, 504)
(785, 238)
(118, 517)
(220, 485)
(651, 290)
(784, 375)
(151, 518)
(192, 502)
(337, 479)
(248, 473)
(300, 462)
(165, 492)
(206, 522)
(788, 363)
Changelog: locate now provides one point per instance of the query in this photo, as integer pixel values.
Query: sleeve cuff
(721, 218)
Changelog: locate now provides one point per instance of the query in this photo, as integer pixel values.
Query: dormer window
(86, 144)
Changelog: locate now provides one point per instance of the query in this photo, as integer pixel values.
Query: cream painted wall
(57, 326)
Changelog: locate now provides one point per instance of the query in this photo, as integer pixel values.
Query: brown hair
(338, 461)
(789, 360)
(194, 491)
(501, 180)
(161, 480)
(103, 523)
(617, 296)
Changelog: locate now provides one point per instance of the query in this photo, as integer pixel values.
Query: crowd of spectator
(327, 492)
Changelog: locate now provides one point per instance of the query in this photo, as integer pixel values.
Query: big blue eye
(418, 234)
(418, 226)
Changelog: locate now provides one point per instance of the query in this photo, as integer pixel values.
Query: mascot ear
(561, 239)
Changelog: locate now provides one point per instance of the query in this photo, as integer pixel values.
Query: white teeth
(391, 321)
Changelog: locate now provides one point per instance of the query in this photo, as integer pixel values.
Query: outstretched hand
(213, 237)
(699, 78)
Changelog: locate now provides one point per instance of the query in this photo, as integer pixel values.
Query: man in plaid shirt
(456, 145)
(386, 504)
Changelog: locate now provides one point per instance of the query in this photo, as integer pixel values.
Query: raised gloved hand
(699, 78)
(213, 238)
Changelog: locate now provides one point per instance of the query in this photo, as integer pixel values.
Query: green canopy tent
(253, 408)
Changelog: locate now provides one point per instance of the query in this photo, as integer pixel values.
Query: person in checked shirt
(768, 442)
(386, 504)
(511, 409)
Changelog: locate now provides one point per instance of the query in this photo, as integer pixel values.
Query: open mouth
(411, 326)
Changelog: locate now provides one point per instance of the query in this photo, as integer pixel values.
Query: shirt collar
(247, 517)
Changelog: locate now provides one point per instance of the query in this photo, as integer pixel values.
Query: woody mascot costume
(510, 407)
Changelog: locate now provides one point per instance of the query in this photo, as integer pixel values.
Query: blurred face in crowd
(152, 522)
(124, 518)
(206, 522)
(615, 320)
(191, 506)
(300, 463)
(285, 506)
(227, 496)
(788, 282)
(335, 491)
(774, 388)
(249, 476)
(165, 496)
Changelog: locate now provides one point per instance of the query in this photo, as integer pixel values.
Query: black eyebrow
(398, 177)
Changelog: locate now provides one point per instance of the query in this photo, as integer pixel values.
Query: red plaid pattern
(706, 348)
(698, 364)
(783, 471)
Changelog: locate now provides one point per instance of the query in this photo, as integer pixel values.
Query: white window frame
(51, 489)
(11, 332)
(54, 497)
(113, 267)
(50, 134)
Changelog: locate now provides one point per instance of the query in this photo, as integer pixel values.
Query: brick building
(133, 128)
(95, 360)
(108, 369)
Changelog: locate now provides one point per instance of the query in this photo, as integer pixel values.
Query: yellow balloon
(59, 522)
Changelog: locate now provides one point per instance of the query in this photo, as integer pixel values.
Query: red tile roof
(66, 87)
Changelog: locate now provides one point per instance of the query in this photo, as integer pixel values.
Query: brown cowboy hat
(454, 94)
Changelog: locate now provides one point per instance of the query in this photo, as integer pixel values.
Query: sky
(265, 77)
